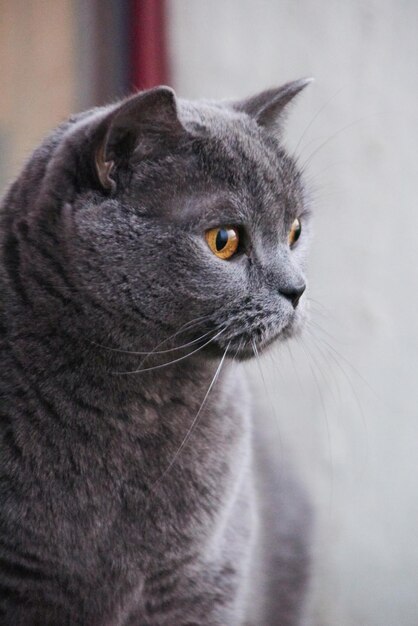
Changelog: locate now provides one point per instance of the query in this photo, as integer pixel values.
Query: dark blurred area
(61, 56)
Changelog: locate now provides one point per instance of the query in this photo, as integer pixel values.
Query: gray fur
(114, 511)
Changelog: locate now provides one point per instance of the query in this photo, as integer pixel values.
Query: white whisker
(186, 326)
(155, 367)
(317, 114)
(272, 408)
(348, 380)
(195, 419)
(327, 426)
(307, 161)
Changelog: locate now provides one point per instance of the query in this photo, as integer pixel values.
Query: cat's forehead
(235, 151)
(217, 120)
(209, 114)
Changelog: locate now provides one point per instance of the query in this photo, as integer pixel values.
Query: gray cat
(145, 250)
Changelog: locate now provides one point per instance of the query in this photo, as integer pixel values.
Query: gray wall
(344, 398)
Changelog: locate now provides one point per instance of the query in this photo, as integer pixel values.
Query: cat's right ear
(137, 128)
(269, 107)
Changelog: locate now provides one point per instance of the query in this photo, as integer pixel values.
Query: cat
(146, 249)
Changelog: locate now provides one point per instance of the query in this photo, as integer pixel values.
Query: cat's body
(137, 497)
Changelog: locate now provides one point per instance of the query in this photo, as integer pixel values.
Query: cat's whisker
(350, 384)
(175, 349)
(315, 117)
(295, 369)
(323, 331)
(317, 366)
(334, 355)
(275, 361)
(324, 365)
(327, 425)
(320, 305)
(339, 355)
(195, 419)
(318, 311)
(325, 357)
(272, 408)
(322, 145)
(237, 351)
(183, 328)
(160, 365)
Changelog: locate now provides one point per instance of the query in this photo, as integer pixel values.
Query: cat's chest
(155, 468)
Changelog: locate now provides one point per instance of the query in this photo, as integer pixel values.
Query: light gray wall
(345, 398)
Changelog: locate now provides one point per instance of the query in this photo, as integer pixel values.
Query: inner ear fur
(140, 124)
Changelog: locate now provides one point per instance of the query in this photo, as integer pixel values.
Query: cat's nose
(293, 293)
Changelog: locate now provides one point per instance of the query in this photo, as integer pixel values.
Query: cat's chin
(243, 348)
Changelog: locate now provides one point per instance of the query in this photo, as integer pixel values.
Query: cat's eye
(294, 232)
(223, 241)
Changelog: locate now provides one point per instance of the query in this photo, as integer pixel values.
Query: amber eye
(223, 241)
(294, 232)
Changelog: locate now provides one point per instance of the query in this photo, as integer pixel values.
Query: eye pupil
(295, 232)
(221, 239)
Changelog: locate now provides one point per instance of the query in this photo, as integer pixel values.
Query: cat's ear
(138, 127)
(268, 108)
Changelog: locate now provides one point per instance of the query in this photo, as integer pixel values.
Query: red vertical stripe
(148, 44)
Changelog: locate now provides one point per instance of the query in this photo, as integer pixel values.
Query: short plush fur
(135, 485)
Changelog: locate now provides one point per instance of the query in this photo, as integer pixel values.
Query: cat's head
(182, 216)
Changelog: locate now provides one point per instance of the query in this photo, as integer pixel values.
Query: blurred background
(344, 398)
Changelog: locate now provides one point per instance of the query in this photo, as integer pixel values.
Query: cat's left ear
(268, 108)
(138, 128)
